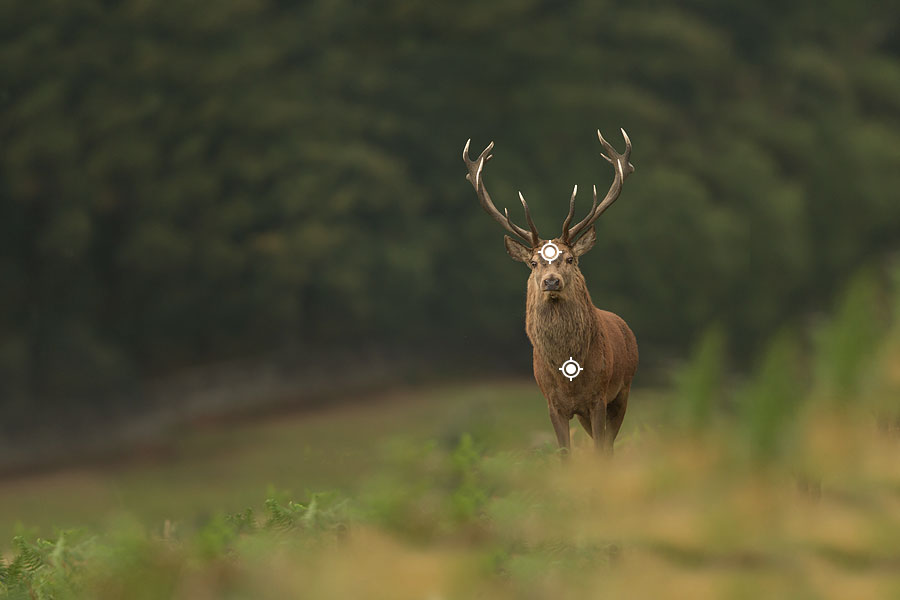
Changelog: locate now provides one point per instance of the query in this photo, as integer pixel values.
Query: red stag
(584, 357)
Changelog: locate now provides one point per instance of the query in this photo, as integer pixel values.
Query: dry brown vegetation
(774, 492)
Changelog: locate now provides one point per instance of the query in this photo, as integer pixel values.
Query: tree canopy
(187, 182)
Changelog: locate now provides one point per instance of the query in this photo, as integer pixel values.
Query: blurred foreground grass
(784, 485)
(208, 467)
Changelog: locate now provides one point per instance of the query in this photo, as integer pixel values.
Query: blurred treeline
(182, 183)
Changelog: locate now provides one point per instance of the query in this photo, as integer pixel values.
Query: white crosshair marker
(550, 252)
(571, 368)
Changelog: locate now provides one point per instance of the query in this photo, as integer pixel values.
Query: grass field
(457, 493)
(784, 484)
(231, 466)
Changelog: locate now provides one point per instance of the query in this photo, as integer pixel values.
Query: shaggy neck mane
(562, 328)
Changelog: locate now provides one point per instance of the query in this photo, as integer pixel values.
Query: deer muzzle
(551, 283)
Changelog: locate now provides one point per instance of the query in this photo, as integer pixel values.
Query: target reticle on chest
(550, 252)
(571, 368)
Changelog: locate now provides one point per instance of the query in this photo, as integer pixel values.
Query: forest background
(276, 187)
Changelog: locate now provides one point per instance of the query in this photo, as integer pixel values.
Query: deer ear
(585, 242)
(516, 250)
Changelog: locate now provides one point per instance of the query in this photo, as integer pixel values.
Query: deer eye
(533, 264)
(569, 260)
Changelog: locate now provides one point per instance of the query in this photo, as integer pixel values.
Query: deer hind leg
(561, 427)
(586, 423)
(600, 428)
(615, 414)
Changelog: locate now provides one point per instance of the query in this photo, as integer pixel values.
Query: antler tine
(474, 177)
(475, 166)
(607, 146)
(594, 204)
(623, 169)
(508, 221)
(627, 154)
(565, 229)
(535, 238)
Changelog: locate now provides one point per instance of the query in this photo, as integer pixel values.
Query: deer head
(554, 263)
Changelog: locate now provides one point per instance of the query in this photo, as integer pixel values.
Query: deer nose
(551, 283)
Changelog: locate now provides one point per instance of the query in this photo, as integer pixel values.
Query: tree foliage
(186, 182)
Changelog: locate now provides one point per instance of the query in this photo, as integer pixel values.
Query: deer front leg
(561, 427)
(602, 439)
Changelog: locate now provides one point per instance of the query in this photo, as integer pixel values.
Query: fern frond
(242, 521)
(283, 517)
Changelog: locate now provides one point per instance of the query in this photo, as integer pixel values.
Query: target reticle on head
(550, 252)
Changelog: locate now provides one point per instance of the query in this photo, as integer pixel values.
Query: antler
(623, 170)
(475, 168)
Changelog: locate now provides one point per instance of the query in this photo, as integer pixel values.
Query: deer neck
(561, 329)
